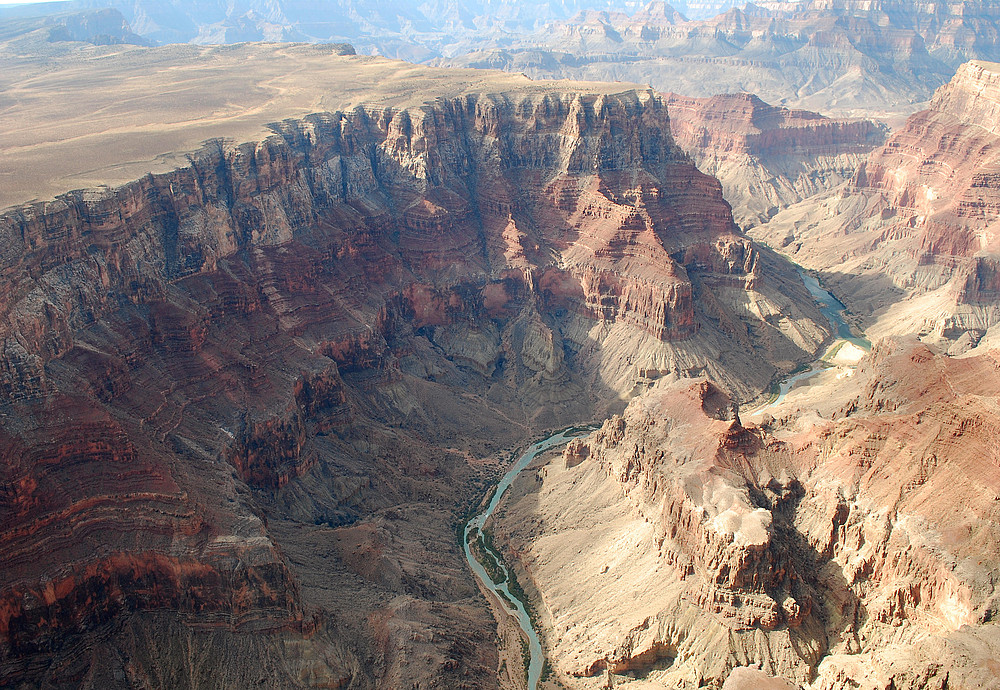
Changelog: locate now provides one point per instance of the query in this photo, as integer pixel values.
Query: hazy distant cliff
(768, 157)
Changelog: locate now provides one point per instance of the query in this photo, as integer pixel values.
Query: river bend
(473, 529)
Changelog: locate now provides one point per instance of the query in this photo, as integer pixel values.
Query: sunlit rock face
(841, 551)
(916, 226)
(767, 157)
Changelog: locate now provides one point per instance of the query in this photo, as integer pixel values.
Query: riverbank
(846, 350)
(492, 572)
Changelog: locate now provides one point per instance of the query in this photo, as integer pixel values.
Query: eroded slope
(912, 238)
(849, 58)
(854, 550)
(768, 158)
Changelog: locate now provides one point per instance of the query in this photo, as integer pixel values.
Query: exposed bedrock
(769, 157)
(242, 402)
(834, 553)
(850, 58)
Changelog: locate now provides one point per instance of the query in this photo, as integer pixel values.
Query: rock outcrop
(236, 398)
(848, 552)
(766, 157)
(954, 30)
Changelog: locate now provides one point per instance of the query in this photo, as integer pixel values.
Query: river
(833, 309)
(502, 591)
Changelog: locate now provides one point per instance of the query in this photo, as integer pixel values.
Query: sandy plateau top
(106, 116)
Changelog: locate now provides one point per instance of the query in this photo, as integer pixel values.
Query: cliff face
(918, 218)
(843, 552)
(939, 164)
(768, 157)
(237, 397)
(829, 55)
(954, 31)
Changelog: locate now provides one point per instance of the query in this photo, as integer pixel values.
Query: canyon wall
(857, 59)
(242, 403)
(917, 221)
(768, 157)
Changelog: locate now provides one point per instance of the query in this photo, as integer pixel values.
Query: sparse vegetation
(518, 591)
(484, 552)
(834, 350)
(803, 367)
(526, 657)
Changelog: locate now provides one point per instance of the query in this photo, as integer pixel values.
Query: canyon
(840, 537)
(910, 239)
(849, 546)
(849, 59)
(838, 57)
(247, 394)
(276, 318)
(768, 158)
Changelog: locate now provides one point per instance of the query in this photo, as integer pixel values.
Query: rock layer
(768, 158)
(832, 56)
(917, 221)
(237, 397)
(848, 58)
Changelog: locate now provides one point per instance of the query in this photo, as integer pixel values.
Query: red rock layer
(313, 316)
(936, 171)
(938, 178)
(744, 124)
(768, 157)
(918, 220)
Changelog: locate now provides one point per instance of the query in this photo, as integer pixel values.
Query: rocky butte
(262, 359)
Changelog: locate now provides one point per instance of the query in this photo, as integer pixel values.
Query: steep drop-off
(243, 402)
(766, 157)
